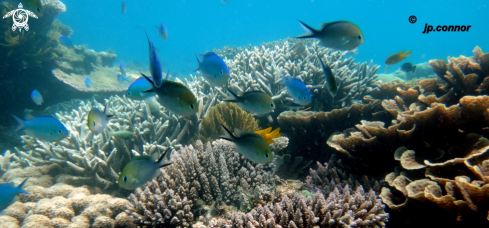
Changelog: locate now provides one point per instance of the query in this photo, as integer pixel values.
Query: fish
(398, 57)
(256, 102)
(162, 31)
(135, 90)
(142, 169)
(250, 145)
(36, 97)
(298, 90)
(340, 35)
(124, 7)
(154, 64)
(65, 41)
(34, 6)
(268, 135)
(45, 128)
(8, 194)
(126, 135)
(298, 48)
(122, 79)
(122, 69)
(330, 78)
(88, 82)
(213, 68)
(97, 120)
(175, 97)
(406, 67)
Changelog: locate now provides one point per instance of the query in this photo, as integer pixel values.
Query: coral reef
(229, 115)
(93, 156)
(51, 204)
(207, 174)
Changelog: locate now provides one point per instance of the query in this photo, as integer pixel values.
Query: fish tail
(167, 73)
(228, 135)
(162, 162)
(233, 98)
(21, 185)
(284, 81)
(413, 68)
(157, 28)
(198, 62)
(275, 133)
(308, 28)
(408, 53)
(21, 123)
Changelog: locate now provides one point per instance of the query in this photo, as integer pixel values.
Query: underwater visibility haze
(225, 113)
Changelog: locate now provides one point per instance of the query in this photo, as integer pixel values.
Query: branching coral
(207, 174)
(99, 158)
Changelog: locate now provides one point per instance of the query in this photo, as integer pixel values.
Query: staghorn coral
(99, 158)
(207, 174)
(229, 115)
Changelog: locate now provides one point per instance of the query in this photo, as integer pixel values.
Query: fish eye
(359, 37)
(192, 106)
(38, 9)
(271, 105)
(59, 131)
(124, 178)
(93, 123)
(266, 155)
(305, 97)
(221, 72)
(51, 133)
(128, 93)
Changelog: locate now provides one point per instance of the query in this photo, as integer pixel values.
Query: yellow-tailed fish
(8, 194)
(249, 144)
(398, 57)
(256, 102)
(126, 135)
(341, 35)
(268, 135)
(142, 169)
(97, 120)
(175, 97)
(330, 78)
(34, 6)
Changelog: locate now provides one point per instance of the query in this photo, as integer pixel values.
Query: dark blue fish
(162, 31)
(154, 64)
(88, 82)
(122, 78)
(213, 68)
(8, 194)
(406, 67)
(123, 70)
(124, 7)
(44, 128)
(65, 41)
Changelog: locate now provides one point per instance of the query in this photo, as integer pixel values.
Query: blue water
(196, 26)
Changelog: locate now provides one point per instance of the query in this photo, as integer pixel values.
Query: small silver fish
(36, 97)
(97, 120)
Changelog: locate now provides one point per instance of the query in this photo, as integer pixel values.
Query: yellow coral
(229, 115)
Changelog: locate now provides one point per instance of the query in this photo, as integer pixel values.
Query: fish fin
(167, 73)
(308, 28)
(264, 131)
(275, 133)
(29, 117)
(21, 123)
(228, 135)
(21, 185)
(345, 41)
(413, 68)
(238, 132)
(148, 91)
(233, 98)
(408, 53)
(150, 82)
(157, 28)
(284, 81)
(164, 162)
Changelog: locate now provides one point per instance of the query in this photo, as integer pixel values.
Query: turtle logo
(20, 17)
